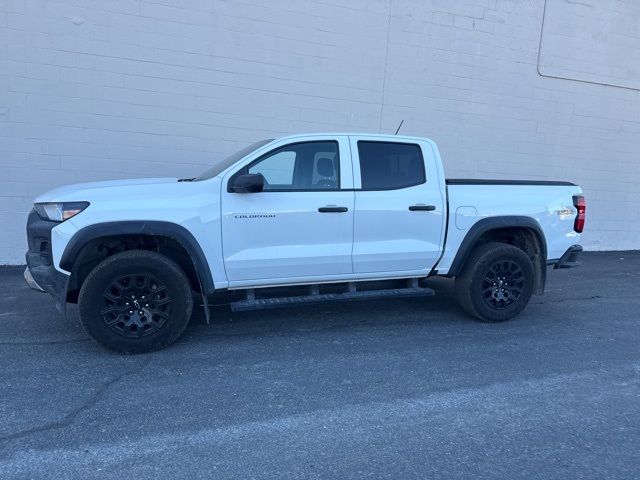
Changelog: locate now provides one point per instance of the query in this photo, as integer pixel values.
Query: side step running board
(252, 303)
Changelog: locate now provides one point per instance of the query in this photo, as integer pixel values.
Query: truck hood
(86, 191)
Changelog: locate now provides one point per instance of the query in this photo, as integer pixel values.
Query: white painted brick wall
(96, 89)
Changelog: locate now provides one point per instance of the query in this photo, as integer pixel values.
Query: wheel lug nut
(146, 304)
(130, 312)
(142, 297)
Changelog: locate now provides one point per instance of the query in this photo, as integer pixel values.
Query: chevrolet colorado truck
(328, 216)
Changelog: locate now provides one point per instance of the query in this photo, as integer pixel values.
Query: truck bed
(479, 181)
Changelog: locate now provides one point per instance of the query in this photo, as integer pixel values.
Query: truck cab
(322, 215)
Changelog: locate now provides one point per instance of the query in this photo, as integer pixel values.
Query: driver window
(300, 166)
(277, 169)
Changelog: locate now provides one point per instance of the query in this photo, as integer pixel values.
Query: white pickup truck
(330, 216)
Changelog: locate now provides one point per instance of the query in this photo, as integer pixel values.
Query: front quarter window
(221, 165)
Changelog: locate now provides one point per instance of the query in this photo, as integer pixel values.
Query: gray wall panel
(95, 90)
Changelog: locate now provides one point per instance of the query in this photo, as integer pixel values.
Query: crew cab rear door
(399, 214)
(299, 229)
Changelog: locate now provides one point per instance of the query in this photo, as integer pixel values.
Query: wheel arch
(520, 231)
(175, 239)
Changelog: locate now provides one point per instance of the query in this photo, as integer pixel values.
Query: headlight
(59, 212)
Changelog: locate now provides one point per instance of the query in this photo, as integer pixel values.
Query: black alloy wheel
(502, 285)
(136, 305)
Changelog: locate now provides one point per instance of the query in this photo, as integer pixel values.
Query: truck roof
(387, 136)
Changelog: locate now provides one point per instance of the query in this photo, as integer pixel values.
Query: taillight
(581, 206)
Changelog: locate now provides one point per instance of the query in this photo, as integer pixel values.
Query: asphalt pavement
(398, 389)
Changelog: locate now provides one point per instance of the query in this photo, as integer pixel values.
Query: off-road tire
(156, 319)
(483, 289)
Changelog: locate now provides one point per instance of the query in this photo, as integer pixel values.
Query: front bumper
(40, 274)
(31, 281)
(569, 259)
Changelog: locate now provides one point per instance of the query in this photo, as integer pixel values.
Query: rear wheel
(496, 282)
(135, 301)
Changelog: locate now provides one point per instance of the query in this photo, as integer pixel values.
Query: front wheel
(496, 282)
(135, 301)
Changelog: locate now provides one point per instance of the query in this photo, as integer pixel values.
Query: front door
(399, 211)
(300, 227)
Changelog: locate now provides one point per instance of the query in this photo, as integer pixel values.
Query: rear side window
(390, 165)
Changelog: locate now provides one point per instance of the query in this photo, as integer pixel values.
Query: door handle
(420, 208)
(333, 209)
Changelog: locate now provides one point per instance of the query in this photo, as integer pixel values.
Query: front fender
(141, 227)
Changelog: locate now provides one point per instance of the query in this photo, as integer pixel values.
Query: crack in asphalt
(581, 299)
(70, 417)
(46, 342)
(467, 400)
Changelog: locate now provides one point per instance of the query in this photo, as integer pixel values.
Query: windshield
(221, 165)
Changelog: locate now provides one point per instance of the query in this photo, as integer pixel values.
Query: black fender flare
(495, 223)
(141, 227)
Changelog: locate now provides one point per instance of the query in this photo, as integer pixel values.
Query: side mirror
(248, 183)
